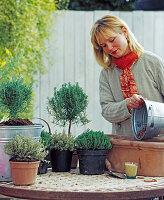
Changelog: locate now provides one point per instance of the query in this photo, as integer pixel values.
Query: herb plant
(68, 106)
(62, 141)
(15, 96)
(93, 140)
(23, 149)
(45, 139)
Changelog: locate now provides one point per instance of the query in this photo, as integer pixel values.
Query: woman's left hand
(136, 101)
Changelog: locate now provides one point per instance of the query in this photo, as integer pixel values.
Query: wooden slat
(89, 67)
(79, 57)
(159, 33)
(148, 31)
(128, 18)
(56, 49)
(138, 26)
(69, 50)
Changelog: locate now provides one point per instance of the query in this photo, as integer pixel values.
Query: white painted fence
(72, 58)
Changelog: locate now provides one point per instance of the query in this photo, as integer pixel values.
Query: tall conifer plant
(68, 106)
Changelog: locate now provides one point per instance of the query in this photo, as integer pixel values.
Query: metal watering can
(148, 120)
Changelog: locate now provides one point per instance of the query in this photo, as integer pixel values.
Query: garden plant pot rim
(156, 142)
(52, 148)
(27, 163)
(21, 127)
(92, 149)
(93, 152)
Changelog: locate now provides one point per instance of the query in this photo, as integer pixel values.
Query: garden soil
(16, 122)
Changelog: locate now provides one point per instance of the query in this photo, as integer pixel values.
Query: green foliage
(45, 138)
(15, 96)
(93, 140)
(62, 141)
(68, 105)
(62, 4)
(22, 148)
(101, 5)
(25, 25)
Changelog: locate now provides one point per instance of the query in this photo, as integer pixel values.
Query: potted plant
(68, 106)
(62, 147)
(15, 98)
(26, 154)
(92, 148)
(45, 139)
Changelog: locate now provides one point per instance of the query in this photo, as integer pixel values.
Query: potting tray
(149, 154)
(84, 187)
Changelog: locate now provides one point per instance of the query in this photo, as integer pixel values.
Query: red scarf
(128, 84)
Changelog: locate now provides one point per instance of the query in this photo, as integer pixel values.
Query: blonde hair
(110, 26)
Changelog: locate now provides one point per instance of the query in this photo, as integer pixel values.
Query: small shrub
(62, 142)
(22, 148)
(68, 106)
(93, 140)
(15, 96)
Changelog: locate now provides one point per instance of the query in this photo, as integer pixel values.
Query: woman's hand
(136, 101)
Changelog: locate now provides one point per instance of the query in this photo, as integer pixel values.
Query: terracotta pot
(24, 173)
(148, 154)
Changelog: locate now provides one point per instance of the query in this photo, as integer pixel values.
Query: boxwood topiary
(93, 140)
(68, 106)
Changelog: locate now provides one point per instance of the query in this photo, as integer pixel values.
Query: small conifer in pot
(68, 106)
(15, 97)
(92, 148)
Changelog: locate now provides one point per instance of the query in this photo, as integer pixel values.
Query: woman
(129, 73)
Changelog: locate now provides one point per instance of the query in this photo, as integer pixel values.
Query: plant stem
(69, 129)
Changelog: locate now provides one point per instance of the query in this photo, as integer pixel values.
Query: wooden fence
(72, 59)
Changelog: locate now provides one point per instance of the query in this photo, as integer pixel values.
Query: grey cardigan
(148, 73)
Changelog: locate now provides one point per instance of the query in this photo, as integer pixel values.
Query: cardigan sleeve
(160, 77)
(112, 111)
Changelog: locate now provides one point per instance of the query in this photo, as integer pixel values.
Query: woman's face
(116, 46)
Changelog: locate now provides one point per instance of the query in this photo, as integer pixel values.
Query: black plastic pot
(92, 161)
(61, 160)
(43, 166)
(74, 160)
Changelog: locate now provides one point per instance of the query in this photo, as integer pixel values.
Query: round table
(73, 186)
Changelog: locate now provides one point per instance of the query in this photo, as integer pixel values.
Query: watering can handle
(46, 123)
(151, 116)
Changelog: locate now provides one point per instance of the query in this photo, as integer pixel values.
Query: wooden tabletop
(73, 186)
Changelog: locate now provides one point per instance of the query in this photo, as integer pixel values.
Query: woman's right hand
(136, 101)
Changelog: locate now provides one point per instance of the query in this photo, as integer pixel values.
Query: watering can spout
(148, 120)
